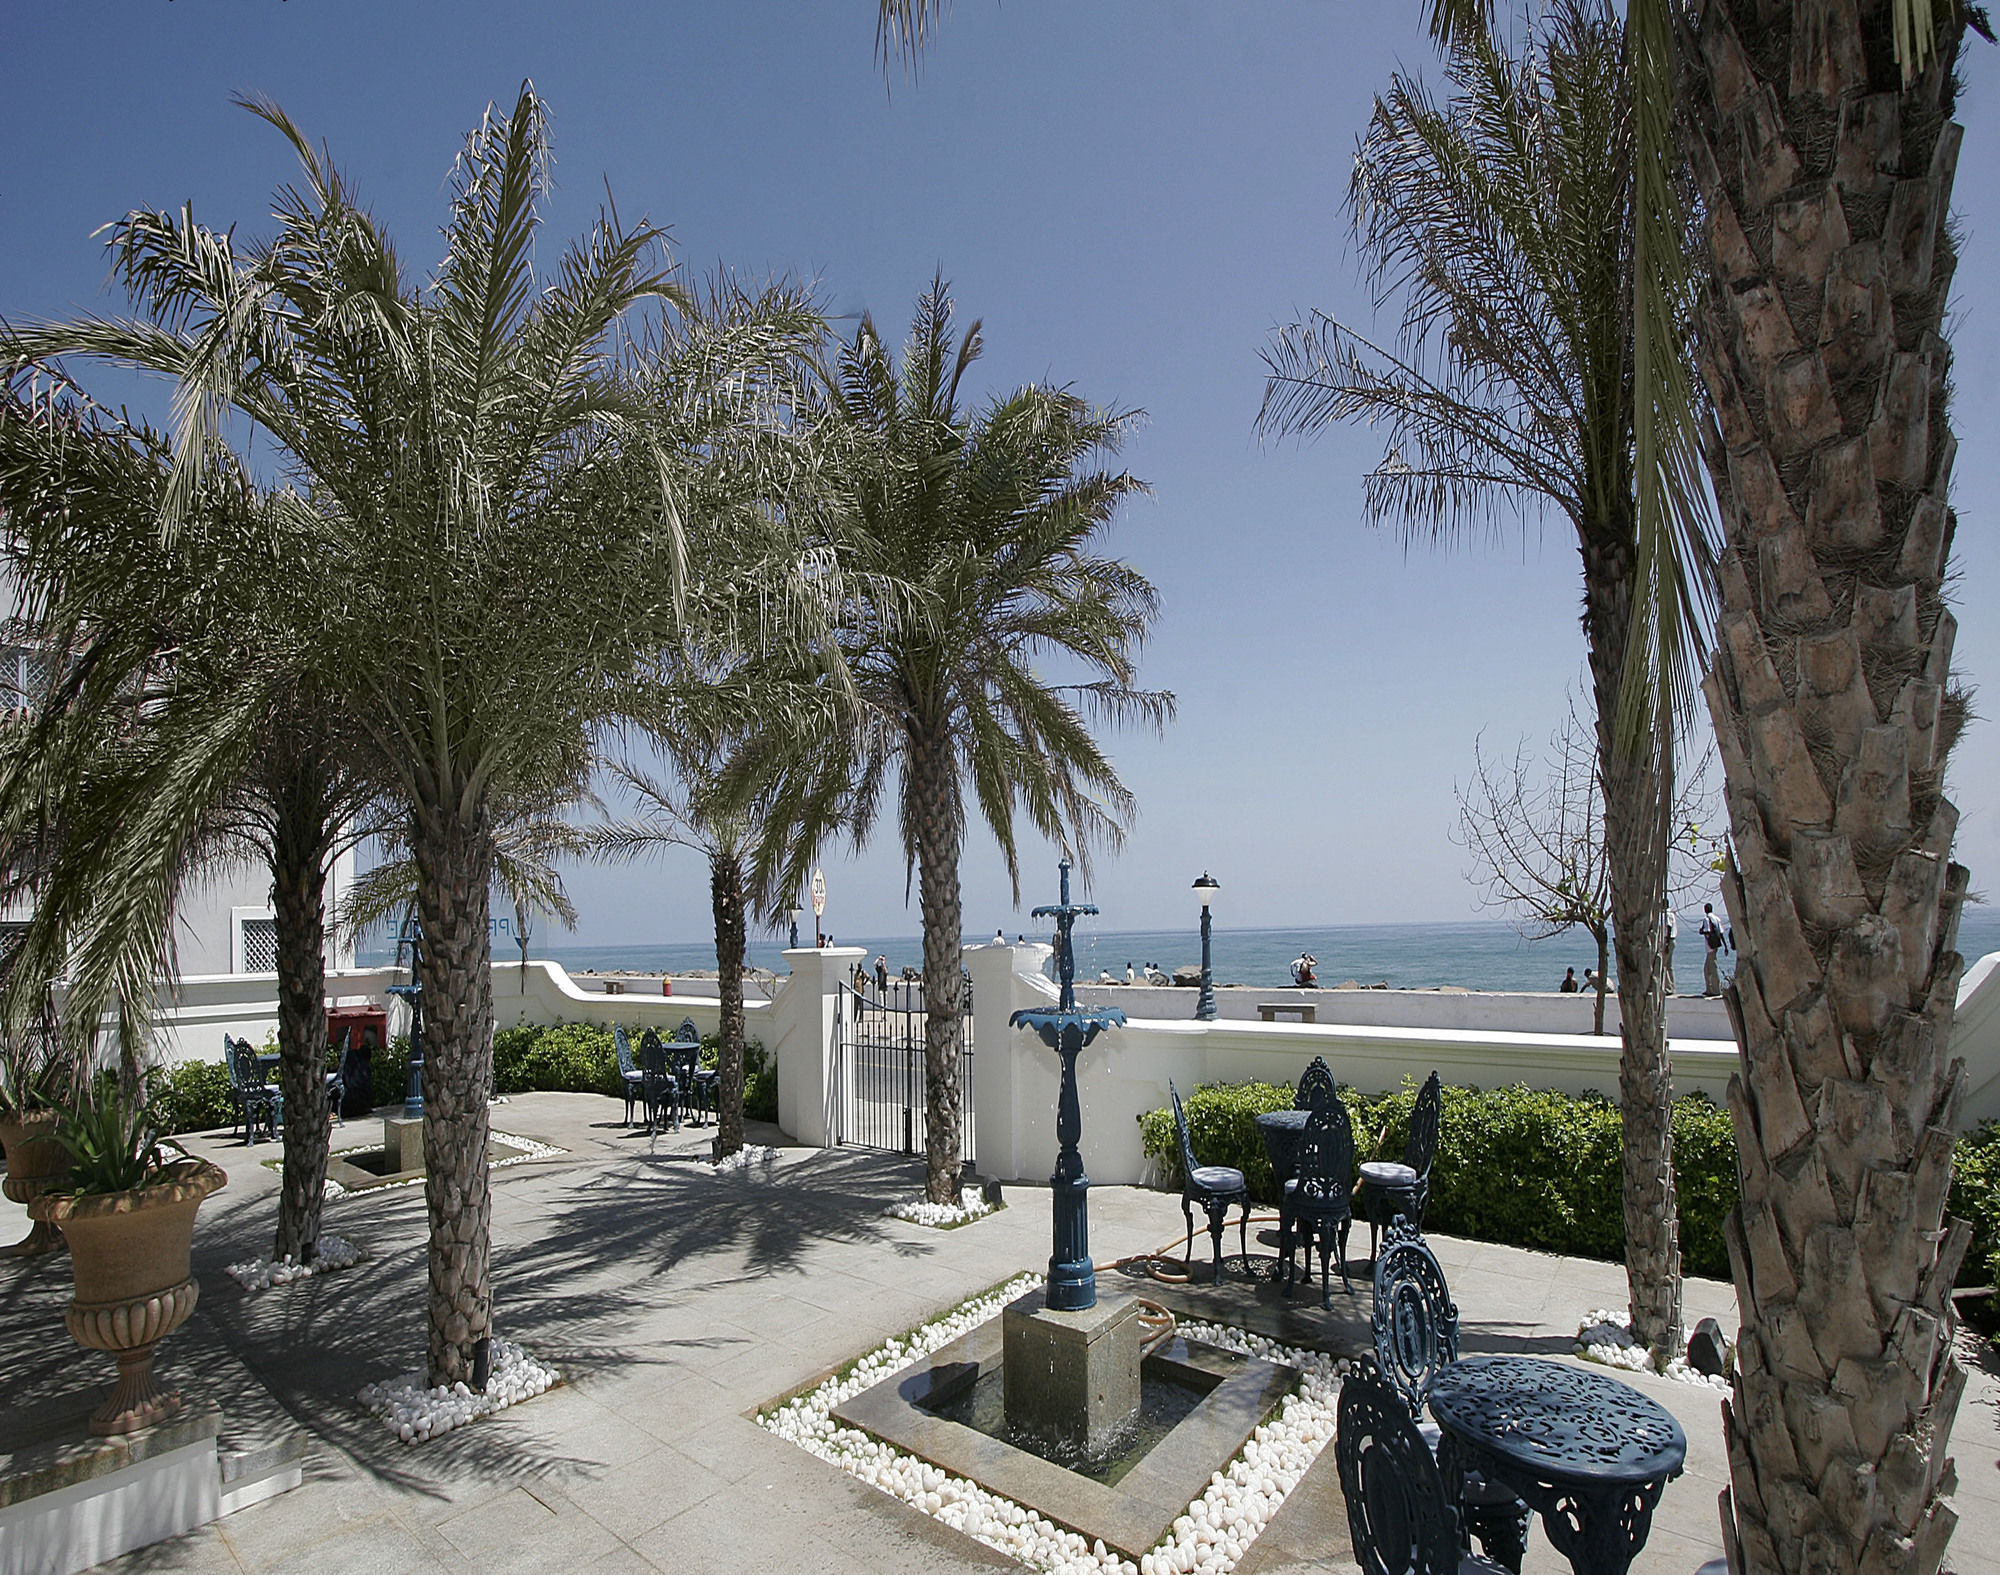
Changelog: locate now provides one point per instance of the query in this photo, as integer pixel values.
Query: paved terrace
(676, 1302)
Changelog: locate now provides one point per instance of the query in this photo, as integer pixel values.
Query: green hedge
(1515, 1165)
(569, 1057)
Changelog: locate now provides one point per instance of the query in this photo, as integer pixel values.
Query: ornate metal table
(1590, 1455)
(1281, 1131)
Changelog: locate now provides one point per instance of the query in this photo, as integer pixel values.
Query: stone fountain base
(1072, 1377)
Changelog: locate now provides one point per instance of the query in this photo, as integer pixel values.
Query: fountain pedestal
(402, 1144)
(1072, 1376)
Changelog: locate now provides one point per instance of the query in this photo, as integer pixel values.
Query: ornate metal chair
(685, 1060)
(1416, 1335)
(1318, 1203)
(628, 1072)
(1389, 1189)
(1398, 1517)
(255, 1099)
(658, 1086)
(1214, 1187)
(703, 1082)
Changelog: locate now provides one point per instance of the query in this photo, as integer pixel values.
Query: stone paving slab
(677, 1302)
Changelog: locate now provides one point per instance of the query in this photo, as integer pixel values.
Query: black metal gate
(879, 1046)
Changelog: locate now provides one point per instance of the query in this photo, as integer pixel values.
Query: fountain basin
(1128, 1500)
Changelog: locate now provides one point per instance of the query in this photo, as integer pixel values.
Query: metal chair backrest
(1326, 1156)
(1397, 1515)
(649, 1040)
(1188, 1166)
(687, 1033)
(1316, 1087)
(1425, 1115)
(623, 1046)
(653, 1058)
(244, 1071)
(1416, 1321)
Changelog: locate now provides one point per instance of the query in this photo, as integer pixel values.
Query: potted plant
(128, 1216)
(38, 1080)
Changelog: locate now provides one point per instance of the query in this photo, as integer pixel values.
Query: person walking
(1714, 939)
(1670, 928)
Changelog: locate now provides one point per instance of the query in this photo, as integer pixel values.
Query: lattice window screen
(260, 945)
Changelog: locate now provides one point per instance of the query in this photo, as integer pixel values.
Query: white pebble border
(1606, 1338)
(255, 1274)
(941, 1216)
(752, 1157)
(414, 1413)
(1208, 1540)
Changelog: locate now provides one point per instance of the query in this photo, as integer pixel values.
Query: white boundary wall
(1124, 1073)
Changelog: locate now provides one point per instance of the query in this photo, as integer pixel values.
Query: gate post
(1004, 977)
(814, 1081)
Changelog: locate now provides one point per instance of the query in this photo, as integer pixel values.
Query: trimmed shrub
(191, 1097)
(1517, 1165)
(760, 1083)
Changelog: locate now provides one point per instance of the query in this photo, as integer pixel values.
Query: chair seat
(1217, 1178)
(633, 1077)
(1483, 1494)
(1388, 1173)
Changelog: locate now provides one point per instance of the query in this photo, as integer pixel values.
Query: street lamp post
(1204, 1006)
(795, 914)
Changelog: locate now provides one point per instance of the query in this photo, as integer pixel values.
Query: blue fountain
(1071, 1365)
(1067, 1031)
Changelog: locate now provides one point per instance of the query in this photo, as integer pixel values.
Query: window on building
(260, 945)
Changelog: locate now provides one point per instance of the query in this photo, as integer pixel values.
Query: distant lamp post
(795, 914)
(1204, 1006)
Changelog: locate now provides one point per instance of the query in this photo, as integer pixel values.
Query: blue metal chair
(1398, 1516)
(1416, 1336)
(628, 1073)
(1316, 1086)
(703, 1082)
(255, 1099)
(658, 1086)
(1214, 1187)
(1317, 1205)
(1389, 1189)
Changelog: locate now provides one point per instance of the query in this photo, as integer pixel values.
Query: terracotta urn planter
(129, 1257)
(36, 1160)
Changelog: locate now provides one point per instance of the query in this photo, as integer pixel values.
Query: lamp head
(1206, 887)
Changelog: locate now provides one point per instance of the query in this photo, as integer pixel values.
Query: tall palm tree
(1826, 171)
(180, 733)
(988, 520)
(456, 437)
(1503, 220)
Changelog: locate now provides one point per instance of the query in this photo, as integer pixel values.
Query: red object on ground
(666, 986)
(362, 1020)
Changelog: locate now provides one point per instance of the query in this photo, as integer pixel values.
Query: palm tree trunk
(298, 886)
(1826, 184)
(454, 859)
(1603, 977)
(725, 891)
(939, 824)
(1634, 773)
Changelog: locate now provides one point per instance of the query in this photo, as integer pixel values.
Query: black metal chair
(354, 1083)
(1387, 1188)
(1398, 1517)
(628, 1072)
(685, 1060)
(658, 1087)
(1416, 1336)
(1317, 1206)
(704, 1082)
(255, 1099)
(1214, 1187)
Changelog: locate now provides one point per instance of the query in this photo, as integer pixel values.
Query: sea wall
(1478, 1011)
(1126, 1070)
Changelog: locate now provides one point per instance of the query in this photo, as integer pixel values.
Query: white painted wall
(1125, 1072)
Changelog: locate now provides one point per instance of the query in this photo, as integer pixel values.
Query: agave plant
(113, 1144)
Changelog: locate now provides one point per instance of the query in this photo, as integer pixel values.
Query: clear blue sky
(1131, 195)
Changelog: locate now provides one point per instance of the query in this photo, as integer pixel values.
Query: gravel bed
(257, 1274)
(414, 1413)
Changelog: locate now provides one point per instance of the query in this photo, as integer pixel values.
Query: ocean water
(1475, 954)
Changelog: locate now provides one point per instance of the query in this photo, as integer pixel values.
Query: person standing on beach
(1712, 935)
(1670, 929)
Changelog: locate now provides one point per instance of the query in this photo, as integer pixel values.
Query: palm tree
(1503, 220)
(179, 734)
(459, 440)
(1826, 173)
(987, 521)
